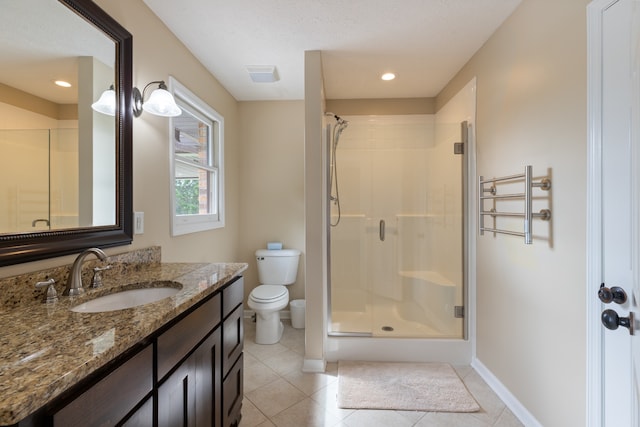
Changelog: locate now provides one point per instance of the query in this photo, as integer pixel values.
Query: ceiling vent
(263, 74)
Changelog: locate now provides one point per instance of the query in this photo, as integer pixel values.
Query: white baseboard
(284, 314)
(503, 393)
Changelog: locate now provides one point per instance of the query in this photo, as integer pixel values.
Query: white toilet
(276, 269)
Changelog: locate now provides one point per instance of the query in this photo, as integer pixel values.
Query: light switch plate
(138, 223)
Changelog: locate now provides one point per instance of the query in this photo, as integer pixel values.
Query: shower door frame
(455, 351)
(468, 151)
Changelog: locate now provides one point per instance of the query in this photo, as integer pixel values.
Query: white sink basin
(126, 299)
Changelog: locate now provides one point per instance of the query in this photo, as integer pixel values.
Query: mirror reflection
(57, 155)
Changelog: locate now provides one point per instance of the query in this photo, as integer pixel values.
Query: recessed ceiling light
(388, 76)
(62, 83)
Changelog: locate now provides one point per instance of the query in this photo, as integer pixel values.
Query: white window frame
(185, 224)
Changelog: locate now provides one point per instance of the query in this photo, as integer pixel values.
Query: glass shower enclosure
(396, 255)
(38, 179)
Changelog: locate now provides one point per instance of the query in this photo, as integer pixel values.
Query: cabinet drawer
(177, 342)
(99, 406)
(232, 296)
(232, 339)
(232, 393)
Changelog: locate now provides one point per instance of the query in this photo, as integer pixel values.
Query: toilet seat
(268, 293)
(265, 299)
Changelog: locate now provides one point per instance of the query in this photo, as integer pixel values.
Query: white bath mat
(429, 387)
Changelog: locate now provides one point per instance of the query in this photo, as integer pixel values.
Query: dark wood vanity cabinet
(191, 395)
(232, 346)
(190, 389)
(198, 374)
(113, 397)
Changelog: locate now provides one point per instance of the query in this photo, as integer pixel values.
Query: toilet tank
(277, 267)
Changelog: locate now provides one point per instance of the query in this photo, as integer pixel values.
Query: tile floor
(278, 393)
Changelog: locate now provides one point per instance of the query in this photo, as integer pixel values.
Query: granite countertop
(47, 348)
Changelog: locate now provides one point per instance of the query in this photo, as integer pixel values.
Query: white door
(614, 214)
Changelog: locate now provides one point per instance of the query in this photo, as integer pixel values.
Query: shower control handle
(382, 230)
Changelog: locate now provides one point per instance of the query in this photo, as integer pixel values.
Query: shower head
(341, 122)
(339, 119)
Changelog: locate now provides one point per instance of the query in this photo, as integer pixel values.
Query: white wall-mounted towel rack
(528, 214)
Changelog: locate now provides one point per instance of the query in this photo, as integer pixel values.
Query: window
(197, 178)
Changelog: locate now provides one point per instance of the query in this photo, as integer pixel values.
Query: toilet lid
(268, 292)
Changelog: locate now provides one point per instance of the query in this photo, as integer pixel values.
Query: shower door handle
(382, 231)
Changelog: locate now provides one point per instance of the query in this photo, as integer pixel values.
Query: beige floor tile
(380, 418)
(305, 413)
(507, 419)
(263, 351)
(413, 416)
(443, 419)
(251, 416)
(462, 371)
(309, 383)
(275, 397)
(332, 369)
(257, 374)
(278, 393)
(491, 405)
(285, 362)
(293, 338)
(249, 331)
(327, 397)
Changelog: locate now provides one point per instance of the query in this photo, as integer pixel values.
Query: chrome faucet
(74, 283)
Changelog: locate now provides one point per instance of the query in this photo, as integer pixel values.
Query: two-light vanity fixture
(160, 103)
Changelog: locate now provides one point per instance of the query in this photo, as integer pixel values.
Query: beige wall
(391, 106)
(19, 99)
(156, 55)
(315, 225)
(12, 117)
(531, 109)
(272, 196)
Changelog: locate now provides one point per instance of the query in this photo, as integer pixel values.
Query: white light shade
(106, 104)
(161, 103)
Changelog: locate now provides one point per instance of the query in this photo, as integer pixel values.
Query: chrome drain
(387, 328)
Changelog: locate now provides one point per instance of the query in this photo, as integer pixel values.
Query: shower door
(396, 253)
(39, 181)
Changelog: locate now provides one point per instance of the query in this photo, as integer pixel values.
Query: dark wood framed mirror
(25, 245)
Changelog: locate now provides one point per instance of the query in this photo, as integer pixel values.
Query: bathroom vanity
(177, 361)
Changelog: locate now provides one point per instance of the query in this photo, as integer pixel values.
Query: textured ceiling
(35, 48)
(425, 42)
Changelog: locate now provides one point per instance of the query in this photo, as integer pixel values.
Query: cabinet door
(208, 371)
(143, 417)
(177, 342)
(233, 393)
(176, 397)
(192, 394)
(232, 339)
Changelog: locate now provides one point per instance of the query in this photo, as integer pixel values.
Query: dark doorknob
(615, 294)
(611, 320)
